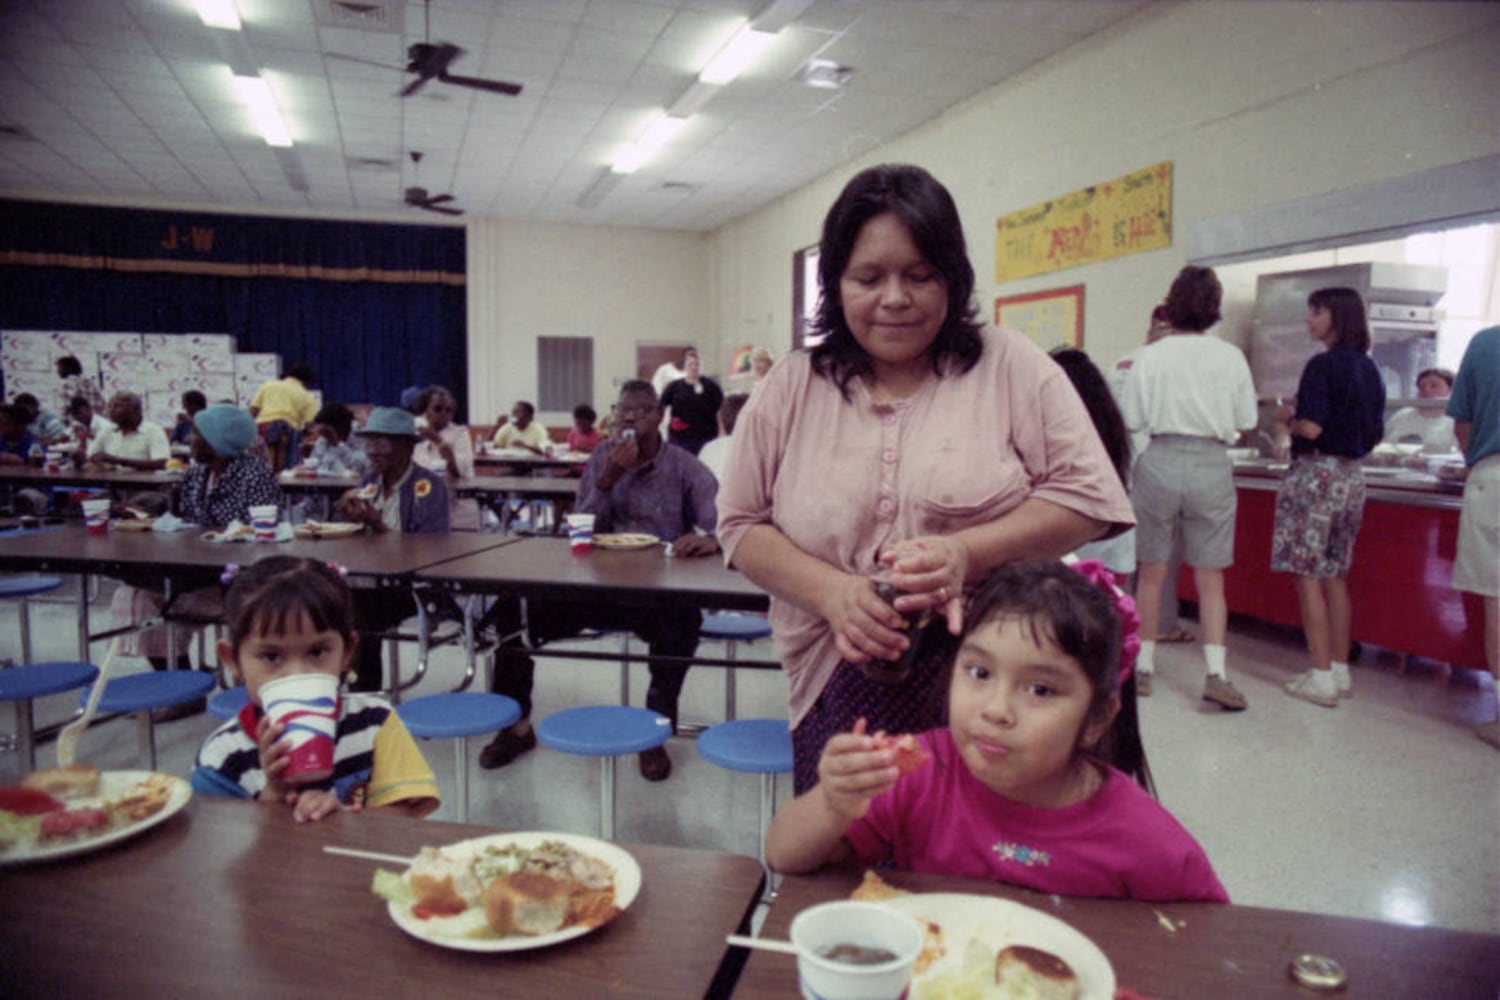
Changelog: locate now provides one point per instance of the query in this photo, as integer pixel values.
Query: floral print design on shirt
(1021, 854)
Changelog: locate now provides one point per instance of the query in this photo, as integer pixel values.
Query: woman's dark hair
(424, 398)
(526, 406)
(1078, 616)
(302, 373)
(927, 210)
(1446, 374)
(729, 410)
(269, 596)
(1100, 403)
(69, 365)
(584, 411)
(1347, 310)
(1193, 301)
(193, 401)
(339, 417)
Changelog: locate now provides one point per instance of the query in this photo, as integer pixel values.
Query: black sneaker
(506, 747)
(655, 764)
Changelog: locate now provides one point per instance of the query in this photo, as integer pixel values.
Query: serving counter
(1401, 583)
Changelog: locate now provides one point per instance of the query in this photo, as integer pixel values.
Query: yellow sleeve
(400, 773)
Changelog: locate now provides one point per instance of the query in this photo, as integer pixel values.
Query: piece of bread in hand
(526, 903)
(76, 781)
(874, 888)
(1023, 971)
(369, 492)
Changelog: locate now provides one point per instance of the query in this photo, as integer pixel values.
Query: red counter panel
(1399, 586)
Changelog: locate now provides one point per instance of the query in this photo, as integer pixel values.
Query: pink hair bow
(1130, 623)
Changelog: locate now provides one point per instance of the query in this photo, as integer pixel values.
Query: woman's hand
(853, 770)
(864, 626)
(930, 571)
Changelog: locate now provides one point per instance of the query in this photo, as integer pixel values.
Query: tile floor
(1386, 808)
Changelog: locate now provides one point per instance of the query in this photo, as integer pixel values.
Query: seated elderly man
(134, 442)
(398, 495)
(635, 482)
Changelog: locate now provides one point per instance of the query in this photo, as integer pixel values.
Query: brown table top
(21, 475)
(517, 458)
(232, 899)
(1215, 950)
(646, 577)
(71, 549)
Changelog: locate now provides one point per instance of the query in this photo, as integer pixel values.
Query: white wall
(1254, 103)
(619, 286)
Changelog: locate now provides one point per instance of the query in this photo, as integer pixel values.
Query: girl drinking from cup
(1018, 788)
(291, 617)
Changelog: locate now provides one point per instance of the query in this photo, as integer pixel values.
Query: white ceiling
(131, 100)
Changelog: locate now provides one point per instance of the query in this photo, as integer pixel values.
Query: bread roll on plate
(76, 781)
(526, 903)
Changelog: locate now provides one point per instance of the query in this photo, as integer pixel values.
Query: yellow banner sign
(1122, 216)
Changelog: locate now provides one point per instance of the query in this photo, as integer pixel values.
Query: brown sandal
(1177, 635)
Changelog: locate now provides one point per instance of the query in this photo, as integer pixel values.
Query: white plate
(112, 785)
(626, 540)
(328, 529)
(627, 886)
(998, 923)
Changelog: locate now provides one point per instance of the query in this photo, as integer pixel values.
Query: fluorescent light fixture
(657, 135)
(744, 48)
(256, 94)
(218, 14)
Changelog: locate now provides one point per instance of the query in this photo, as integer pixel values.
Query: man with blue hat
(398, 495)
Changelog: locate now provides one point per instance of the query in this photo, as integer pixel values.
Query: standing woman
(691, 405)
(446, 448)
(913, 443)
(1339, 418)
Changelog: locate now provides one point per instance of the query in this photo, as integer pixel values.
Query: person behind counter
(1429, 424)
(912, 443)
(1475, 409)
(1193, 394)
(1339, 418)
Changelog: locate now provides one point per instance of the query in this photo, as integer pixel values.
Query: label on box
(267, 366)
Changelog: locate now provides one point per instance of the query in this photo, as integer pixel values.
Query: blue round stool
(757, 746)
(226, 704)
(733, 628)
(606, 732)
(458, 715)
(138, 694)
(22, 588)
(20, 685)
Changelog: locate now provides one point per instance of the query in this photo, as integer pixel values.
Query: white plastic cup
(96, 516)
(263, 518)
(308, 704)
(818, 929)
(581, 532)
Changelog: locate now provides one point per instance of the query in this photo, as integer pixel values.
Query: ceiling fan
(417, 197)
(430, 61)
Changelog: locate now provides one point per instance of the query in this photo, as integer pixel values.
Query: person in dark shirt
(692, 405)
(1339, 418)
(635, 482)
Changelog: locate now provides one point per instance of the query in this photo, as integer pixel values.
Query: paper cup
(263, 518)
(827, 930)
(581, 532)
(96, 516)
(308, 704)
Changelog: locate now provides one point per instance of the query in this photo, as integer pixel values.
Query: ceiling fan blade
(439, 208)
(493, 86)
(413, 87)
(438, 199)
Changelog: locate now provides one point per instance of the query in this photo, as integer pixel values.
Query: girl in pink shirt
(1018, 787)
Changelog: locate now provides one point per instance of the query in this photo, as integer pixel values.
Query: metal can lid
(1319, 972)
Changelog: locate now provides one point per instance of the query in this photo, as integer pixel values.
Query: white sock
(1143, 660)
(1215, 657)
(1340, 672)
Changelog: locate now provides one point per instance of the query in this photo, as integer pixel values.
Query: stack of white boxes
(159, 366)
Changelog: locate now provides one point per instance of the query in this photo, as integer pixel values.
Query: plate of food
(510, 891)
(133, 524)
(327, 529)
(237, 533)
(987, 946)
(626, 540)
(63, 811)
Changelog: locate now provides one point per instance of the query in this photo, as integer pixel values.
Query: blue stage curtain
(373, 308)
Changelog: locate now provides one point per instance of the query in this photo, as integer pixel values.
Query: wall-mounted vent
(371, 164)
(365, 15)
(679, 187)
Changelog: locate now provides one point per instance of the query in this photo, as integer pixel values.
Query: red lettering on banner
(170, 243)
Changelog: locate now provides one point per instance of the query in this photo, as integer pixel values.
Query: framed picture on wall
(804, 296)
(1053, 318)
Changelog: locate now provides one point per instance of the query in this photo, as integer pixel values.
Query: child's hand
(311, 804)
(853, 770)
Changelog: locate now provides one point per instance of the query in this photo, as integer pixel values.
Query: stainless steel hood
(1403, 321)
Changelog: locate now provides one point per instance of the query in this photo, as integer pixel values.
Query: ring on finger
(942, 594)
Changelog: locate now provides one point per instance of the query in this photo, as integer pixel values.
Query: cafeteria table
(526, 463)
(120, 481)
(232, 899)
(1187, 950)
(496, 492)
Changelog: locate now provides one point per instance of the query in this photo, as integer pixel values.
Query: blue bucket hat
(390, 420)
(228, 430)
